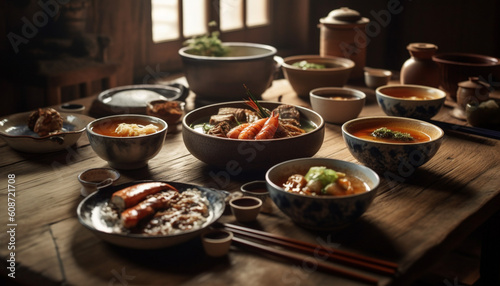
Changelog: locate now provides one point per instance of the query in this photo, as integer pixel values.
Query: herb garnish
(387, 133)
(207, 45)
(308, 66)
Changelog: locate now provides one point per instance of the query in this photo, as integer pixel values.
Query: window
(232, 15)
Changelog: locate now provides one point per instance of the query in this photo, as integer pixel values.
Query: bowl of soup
(307, 72)
(127, 141)
(337, 104)
(413, 101)
(393, 146)
(345, 191)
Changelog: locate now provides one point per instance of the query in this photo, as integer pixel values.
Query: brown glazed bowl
(458, 67)
(238, 155)
(335, 74)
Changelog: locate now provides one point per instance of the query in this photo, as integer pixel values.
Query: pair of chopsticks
(335, 255)
(488, 133)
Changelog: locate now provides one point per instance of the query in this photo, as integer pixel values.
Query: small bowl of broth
(413, 101)
(246, 208)
(393, 146)
(127, 141)
(337, 104)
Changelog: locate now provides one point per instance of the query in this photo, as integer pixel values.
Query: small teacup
(258, 189)
(216, 242)
(94, 179)
(245, 209)
(375, 78)
(72, 108)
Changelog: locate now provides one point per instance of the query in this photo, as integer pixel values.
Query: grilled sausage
(132, 195)
(147, 208)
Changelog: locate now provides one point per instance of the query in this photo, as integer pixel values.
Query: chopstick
(377, 265)
(299, 259)
(317, 250)
(488, 133)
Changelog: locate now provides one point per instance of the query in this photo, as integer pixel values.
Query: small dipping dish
(72, 108)
(245, 209)
(96, 178)
(169, 110)
(376, 77)
(216, 242)
(259, 190)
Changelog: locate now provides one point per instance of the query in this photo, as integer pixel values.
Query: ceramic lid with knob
(343, 16)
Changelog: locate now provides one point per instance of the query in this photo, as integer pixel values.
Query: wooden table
(413, 223)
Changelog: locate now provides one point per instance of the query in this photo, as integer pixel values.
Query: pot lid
(473, 83)
(422, 47)
(343, 16)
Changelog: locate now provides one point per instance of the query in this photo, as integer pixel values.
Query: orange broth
(407, 93)
(108, 127)
(418, 136)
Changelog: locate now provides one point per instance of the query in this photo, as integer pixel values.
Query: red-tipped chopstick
(364, 262)
(299, 259)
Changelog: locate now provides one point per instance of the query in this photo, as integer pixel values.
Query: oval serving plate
(134, 98)
(89, 215)
(16, 133)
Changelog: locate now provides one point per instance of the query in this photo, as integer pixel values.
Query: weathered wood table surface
(413, 223)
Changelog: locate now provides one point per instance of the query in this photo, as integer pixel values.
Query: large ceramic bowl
(127, 152)
(458, 67)
(90, 215)
(396, 159)
(320, 212)
(337, 104)
(413, 101)
(335, 74)
(16, 133)
(236, 155)
(216, 79)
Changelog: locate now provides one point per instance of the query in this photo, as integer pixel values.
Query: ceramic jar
(472, 91)
(342, 34)
(420, 69)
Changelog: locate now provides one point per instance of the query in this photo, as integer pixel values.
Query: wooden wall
(453, 25)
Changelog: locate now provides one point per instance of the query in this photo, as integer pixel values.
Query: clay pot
(472, 91)
(420, 69)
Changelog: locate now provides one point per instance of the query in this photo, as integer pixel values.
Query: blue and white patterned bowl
(390, 100)
(320, 212)
(394, 160)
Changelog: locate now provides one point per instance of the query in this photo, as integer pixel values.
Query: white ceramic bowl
(394, 102)
(335, 74)
(127, 152)
(337, 104)
(375, 78)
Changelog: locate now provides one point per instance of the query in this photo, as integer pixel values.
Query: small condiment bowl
(216, 242)
(96, 178)
(376, 77)
(337, 104)
(72, 107)
(245, 209)
(171, 111)
(259, 190)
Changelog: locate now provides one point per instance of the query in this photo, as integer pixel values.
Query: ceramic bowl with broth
(399, 157)
(413, 101)
(328, 71)
(321, 212)
(337, 104)
(127, 151)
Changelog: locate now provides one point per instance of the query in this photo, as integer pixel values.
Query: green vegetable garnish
(306, 65)
(207, 45)
(387, 133)
(322, 174)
